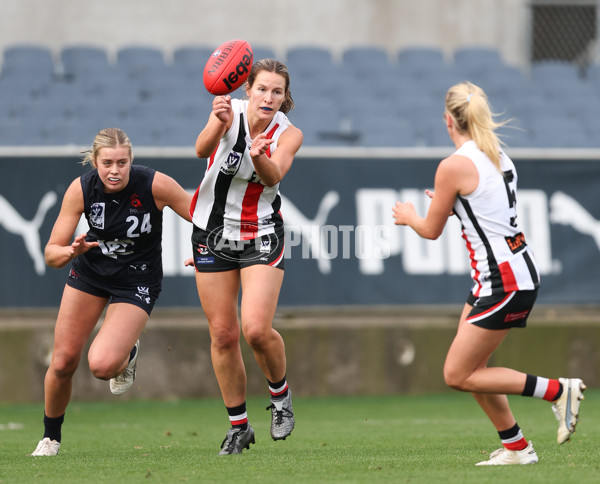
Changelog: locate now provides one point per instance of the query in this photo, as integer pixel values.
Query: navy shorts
(501, 311)
(138, 294)
(213, 253)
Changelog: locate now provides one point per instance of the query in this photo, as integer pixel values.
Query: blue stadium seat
(263, 52)
(28, 60)
(191, 59)
(366, 60)
(19, 133)
(542, 71)
(516, 134)
(560, 133)
(421, 60)
(474, 59)
(138, 61)
(84, 60)
(432, 132)
(308, 61)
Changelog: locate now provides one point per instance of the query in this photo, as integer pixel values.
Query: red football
(228, 67)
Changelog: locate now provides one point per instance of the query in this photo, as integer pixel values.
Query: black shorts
(501, 311)
(138, 294)
(213, 253)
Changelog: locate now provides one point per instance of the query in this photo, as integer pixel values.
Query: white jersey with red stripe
(231, 198)
(501, 260)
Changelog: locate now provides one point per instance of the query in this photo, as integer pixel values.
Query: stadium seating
(80, 61)
(28, 60)
(364, 95)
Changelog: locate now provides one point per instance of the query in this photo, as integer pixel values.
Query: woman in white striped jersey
(478, 183)
(238, 240)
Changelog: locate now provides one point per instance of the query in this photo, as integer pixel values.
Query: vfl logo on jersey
(97, 215)
(516, 242)
(232, 164)
(265, 246)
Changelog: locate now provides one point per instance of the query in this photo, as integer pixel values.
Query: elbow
(432, 235)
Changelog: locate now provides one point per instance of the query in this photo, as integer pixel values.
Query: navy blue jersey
(128, 227)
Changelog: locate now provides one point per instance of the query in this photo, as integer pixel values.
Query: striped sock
(540, 387)
(238, 416)
(512, 439)
(278, 392)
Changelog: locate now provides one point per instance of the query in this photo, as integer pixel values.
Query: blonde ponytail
(469, 107)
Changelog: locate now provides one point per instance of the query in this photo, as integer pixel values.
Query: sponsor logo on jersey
(138, 268)
(135, 201)
(97, 215)
(200, 260)
(516, 242)
(511, 317)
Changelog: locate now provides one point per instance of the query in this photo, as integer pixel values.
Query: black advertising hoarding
(341, 245)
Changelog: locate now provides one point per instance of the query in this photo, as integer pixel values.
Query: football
(228, 67)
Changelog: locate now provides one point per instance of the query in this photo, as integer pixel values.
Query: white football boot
(123, 382)
(46, 447)
(566, 408)
(505, 457)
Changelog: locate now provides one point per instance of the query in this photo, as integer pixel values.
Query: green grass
(406, 439)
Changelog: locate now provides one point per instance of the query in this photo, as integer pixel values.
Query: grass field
(412, 439)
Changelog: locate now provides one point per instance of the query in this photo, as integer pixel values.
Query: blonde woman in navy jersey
(478, 183)
(238, 241)
(116, 265)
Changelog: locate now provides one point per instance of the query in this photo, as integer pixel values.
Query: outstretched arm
(60, 250)
(456, 175)
(167, 192)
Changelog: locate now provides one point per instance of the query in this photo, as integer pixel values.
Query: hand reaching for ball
(260, 144)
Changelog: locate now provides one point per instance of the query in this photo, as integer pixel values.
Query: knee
(224, 337)
(64, 364)
(454, 379)
(102, 368)
(256, 336)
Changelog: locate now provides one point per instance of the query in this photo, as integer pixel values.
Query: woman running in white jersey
(238, 241)
(478, 183)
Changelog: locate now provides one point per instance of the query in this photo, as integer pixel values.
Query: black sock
(52, 427)
(133, 352)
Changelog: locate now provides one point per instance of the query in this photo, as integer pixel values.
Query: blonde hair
(106, 138)
(272, 65)
(468, 105)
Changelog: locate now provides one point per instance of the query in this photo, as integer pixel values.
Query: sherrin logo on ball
(228, 67)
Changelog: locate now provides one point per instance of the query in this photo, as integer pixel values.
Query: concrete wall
(279, 24)
(329, 352)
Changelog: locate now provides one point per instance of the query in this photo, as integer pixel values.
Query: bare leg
(109, 352)
(466, 369)
(77, 316)
(260, 292)
(218, 294)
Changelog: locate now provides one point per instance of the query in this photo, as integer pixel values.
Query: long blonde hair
(106, 138)
(468, 105)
